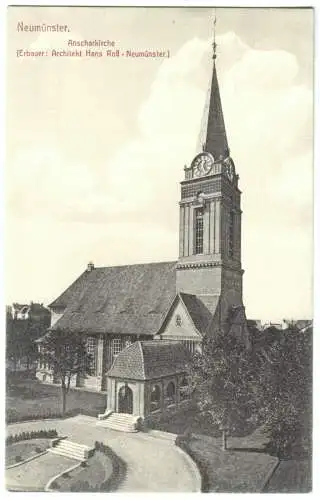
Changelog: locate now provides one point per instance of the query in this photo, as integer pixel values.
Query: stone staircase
(119, 422)
(73, 450)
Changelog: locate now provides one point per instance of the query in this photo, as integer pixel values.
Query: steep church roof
(121, 299)
(198, 311)
(149, 360)
(213, 136)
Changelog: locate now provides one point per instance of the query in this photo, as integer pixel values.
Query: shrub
(23, 436)
(38, 450)
(182, 442)
(83, 464)
(65, 475)
(12, 416)
(99, 446)
(54, 485)
(82, 486)
(18, 458)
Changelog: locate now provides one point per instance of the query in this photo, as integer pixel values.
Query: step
(120, 420)
(121, 416)
(64, 443)
(82, 451)
(69, 453)
(120, 428)
(71, 449)
(72, 443)
(121, 424)
(125, 422)
(65, 453)
(116, 422)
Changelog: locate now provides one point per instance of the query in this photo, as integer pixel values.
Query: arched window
(231, 235)
(170, 394)
(184, 389)
(198, 231)
(178, 320)
(155, 398)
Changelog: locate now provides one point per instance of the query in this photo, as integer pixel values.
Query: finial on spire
(214, 45)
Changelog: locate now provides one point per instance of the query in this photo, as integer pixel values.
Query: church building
(147, 317)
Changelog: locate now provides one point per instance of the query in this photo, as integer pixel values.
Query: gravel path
(36, 474)
(153, 465)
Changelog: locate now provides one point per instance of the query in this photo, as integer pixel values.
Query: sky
(95, 147)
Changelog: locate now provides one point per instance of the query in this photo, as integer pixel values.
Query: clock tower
(210, 218)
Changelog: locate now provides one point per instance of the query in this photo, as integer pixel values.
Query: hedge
(12, 416)
(23, 436)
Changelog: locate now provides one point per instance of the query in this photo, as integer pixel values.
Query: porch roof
(147, 360)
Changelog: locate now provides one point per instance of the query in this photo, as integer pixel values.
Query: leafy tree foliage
(269, 384)
(65, 352)
(224, 382)
(285, 388)
(21, 336)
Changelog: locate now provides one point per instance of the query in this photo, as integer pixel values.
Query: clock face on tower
(202, 164)
(230, 170)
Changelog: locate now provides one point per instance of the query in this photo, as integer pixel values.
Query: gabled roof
(149, 360)
(198, 311)
(200, 308)
(120, 300)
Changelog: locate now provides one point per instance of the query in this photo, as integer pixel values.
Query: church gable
(179, 323)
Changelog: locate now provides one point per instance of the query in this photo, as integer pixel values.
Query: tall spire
(213, 136)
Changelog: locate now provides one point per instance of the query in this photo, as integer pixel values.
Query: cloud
(133, 200)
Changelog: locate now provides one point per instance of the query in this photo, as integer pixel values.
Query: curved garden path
(34, 475)
(154, 465)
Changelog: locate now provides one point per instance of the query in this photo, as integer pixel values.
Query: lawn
(93, 476)
(191, 421)
(17, 452)
(292, 476)
(244, 467)
(28, 398)
(236, 470)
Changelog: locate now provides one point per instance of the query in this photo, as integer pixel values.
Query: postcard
(159, 249)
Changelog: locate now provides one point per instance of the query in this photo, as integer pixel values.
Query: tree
(19, 343)
(13, 350)
(21, 334)
(285, 387)
(66, 354)
(224, 382)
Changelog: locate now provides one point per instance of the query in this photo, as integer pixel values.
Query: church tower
(210, 216)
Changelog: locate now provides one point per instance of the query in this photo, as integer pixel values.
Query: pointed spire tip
(214, 45)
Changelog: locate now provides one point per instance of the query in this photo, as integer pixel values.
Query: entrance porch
(149, 379)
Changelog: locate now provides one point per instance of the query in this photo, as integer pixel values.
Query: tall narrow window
(198, 230)
(231, 235)
(117, 346)
(92, 351)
